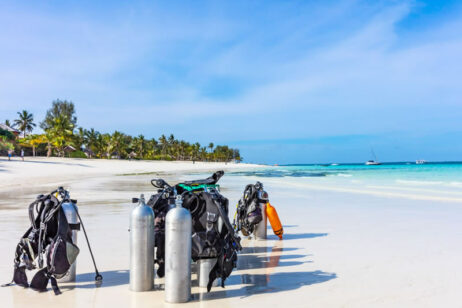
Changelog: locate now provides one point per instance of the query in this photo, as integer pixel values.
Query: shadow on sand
(263, 257)
(263, 277)
(284, 226)
(262, 261)
(253, 262)
(87, 280)
(263, 283)
(297, 236)
(263, 249)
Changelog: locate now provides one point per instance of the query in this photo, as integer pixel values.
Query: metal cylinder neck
(178, 202)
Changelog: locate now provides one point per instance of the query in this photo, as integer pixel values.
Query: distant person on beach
(10, 152)
(22, 154)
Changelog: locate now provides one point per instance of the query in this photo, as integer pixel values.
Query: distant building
(10, 129)
(132, 155)
(89, 153)
(69, 149)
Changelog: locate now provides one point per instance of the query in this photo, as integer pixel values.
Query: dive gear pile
(184, 222)
(212, 233)
(252, 211)
(248, 212)
(49, 238)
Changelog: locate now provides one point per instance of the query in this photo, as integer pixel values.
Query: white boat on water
(420, 162)
(373, 162)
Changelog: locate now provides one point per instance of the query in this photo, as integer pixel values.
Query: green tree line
(62, 136)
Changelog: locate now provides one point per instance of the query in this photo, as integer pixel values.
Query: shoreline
(17, 173)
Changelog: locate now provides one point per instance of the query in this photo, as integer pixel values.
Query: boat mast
(373, 154)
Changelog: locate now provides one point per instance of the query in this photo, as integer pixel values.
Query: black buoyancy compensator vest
(212, 235)
(49, 236)
(160, 203)
(248, 211)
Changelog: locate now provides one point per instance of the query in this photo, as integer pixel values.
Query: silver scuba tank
(178, 228)
(141, 247)
(204, 267)
(70, 210)
(261, 229)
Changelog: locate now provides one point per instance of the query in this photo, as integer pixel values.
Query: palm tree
(8, 123)
(182, 148)
(117, 143)
(91, 139)
(211, 147)
(25, 123)
(203, 153)
(102, 145)
(139, 145)
(188, 152)
(80, 138)
(152, 146)
(195, 147)
(175, 149)
(171, 141)
(164, 143)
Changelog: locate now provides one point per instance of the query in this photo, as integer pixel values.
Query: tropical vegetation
(25, 122)
(62, 137)
(6, 140)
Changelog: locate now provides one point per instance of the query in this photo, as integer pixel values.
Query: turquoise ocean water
(428, 174)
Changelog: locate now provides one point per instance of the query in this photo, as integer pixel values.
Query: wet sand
(340, 248)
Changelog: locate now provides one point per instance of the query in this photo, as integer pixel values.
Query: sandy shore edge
(17, 173)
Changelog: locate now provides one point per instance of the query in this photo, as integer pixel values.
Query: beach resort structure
(10, 129)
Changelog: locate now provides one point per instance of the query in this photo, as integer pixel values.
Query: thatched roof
(69, 148)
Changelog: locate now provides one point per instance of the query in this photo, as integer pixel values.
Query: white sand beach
(342, 247)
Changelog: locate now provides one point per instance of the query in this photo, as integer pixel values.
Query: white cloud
(320, 70)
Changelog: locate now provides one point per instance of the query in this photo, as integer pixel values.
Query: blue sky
(285, 81)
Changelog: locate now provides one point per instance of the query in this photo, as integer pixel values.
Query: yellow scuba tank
(274, 220)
